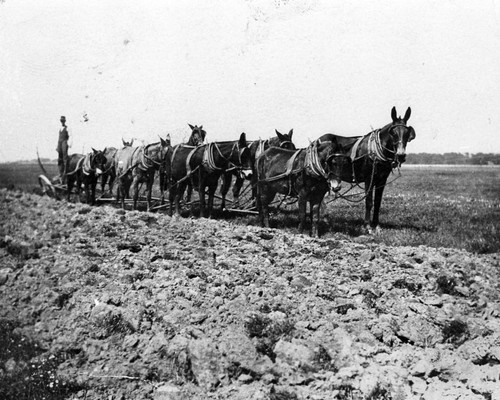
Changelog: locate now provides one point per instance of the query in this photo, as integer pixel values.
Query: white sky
(143, 69)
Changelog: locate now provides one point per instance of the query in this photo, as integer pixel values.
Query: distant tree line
(454, 158)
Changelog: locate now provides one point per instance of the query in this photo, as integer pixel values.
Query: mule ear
(412, 133)
(243, 140)
(290, 133)
(131, 142)
(394, 116)
(162, 142)
(280, 136)
(95, 151)
(167, 139)
(124, 142)
(201, 127)
(191, 126)
(407, 115)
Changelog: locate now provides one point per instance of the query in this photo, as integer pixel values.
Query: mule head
(98, 161)
(197, 137)
(284, 140)
(244, 156)
(401, 134)
(336, 162)
(165, 142)
(127, 144)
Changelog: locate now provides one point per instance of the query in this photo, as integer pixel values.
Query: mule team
(273, 166)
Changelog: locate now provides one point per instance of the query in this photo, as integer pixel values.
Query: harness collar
(87, 166)
(209, 160)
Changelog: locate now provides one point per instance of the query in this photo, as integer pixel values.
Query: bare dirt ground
(100, 303)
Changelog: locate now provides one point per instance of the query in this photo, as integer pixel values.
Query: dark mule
(135, 165)
(179, 174)
(109, 174)
(373, 158)
(197, 138)
(203, 166)
(257, 147)
(306, 173)
(85, 170)
(218, 159)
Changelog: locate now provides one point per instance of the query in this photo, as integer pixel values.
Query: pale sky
(143, 69)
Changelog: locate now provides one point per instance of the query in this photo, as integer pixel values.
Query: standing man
(62, 149)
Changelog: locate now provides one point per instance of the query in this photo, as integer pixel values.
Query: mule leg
(78, 186)
(135, 190)
(368, 205)
(238, 183)
(202, 184)
(172, 196)
(266, 197)
(93, 185)
(121, 192)
(162, 179)
(315, 212)
(253, 182)
(149, 189)
(111, 182)
(178, 196)
(104, 180)
(86, 184)
(265, 211)
(212, 187)
(379, 191)
(70, 182)
(226, 184)
(258, 203)
(118, 192)
(311, 216)
(302, 213)
(189, 192)
(93, 193)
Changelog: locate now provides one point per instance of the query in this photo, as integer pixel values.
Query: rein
(346, 196)
(78, 166)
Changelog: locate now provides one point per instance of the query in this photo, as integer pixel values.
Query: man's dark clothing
(62, 150)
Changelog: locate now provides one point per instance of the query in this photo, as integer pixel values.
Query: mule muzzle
(245, 173)
(335, 185)
(398, 160)
(98, 171)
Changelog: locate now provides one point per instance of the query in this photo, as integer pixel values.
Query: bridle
(198, 134)
(285, 143)
(378, 151)
(88, 161)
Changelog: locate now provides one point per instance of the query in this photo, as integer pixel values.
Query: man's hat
(63, 117)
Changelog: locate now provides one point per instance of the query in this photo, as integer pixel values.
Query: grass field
(438, 206)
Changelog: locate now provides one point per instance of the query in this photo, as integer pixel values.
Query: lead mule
(374, 156)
